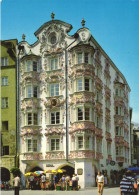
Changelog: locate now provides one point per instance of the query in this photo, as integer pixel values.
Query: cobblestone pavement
(89, 191)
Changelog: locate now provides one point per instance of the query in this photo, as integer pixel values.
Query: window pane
(52, 118)
(52, 89)
(35, 66)
(4, 81)
(80, 85)
(28, 65)
(29, 92)
(52, 144)
(57, 117)
(57, 144)
(87, 114)
(79, 58)
(52, 65)
(35, 145)
(80, 142)
(4, 102)
(5, 150)
(87, 142)
(29, 118)
(86, 84)
(35, 119)
(4, 61)
(56, 64)
(35, 90)
(29, 145)
(56, 89)
(86, 57)
(4, 125)
(80, 114)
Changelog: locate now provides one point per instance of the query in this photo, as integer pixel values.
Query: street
(90, 191)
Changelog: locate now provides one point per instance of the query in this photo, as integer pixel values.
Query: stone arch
(70, 168)
(36, 168)
(5, 174)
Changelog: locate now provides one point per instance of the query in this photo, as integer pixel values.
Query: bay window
(55, 117)
(32, 145)
(119, 150)
(31, 91)
(55, 144)
(83, 84)
(31, 66)
(82, 57)
(83, 142)
(83, 113)
(32, 119)
(54, 64)
(119, 131)
(119, 110)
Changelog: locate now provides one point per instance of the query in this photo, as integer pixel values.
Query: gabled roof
(69, 26)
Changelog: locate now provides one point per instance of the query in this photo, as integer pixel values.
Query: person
(127, 184)
(55, 181)
(31, 182)
(16, 183)
(43, 180)
(63, 182)
(100, 183)
(67, 179)
(73, 182)
(77, 179)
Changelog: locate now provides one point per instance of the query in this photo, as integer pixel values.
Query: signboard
(49, 165)
(79, 171)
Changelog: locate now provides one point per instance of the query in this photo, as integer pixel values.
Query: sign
(112, 163)
(79, 171)
(49, 165)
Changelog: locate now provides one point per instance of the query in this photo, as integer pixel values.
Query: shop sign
(79, 171)
(49, 165)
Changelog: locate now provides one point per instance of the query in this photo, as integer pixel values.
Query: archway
(36, 169)
(69, 170)
(5, 174)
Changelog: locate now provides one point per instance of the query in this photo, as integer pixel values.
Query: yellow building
(8, 107)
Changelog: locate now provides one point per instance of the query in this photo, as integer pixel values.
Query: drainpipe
(76, 35)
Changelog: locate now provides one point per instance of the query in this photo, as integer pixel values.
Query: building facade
(74, 104)
(8, 107)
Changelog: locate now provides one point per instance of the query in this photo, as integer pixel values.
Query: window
(54, 89)
(119, 110)
(32, 119)
(4, 102)
(98, 121)
(31, 145)
(109, 148)
(32, 91)
(54, 64)
(119, 131)
(119, 150)
(4, 81)
(55, 117)
(98, 72)
(5, 150)
(79, 58)
(4, 61)
(83, 84)
(83, 114)
(31, 66)
(80, 142)
(119, 92)
(108, 126)
(86, 57)
(4, 125)
(35, 66)
(98, 146)
(55, 144)
(87, 142)
(99, 96)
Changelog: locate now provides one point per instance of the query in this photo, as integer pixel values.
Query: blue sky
(113, 23)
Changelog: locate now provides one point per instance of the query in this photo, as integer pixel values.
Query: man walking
(16, 183)
(100, 183)
(127, 184)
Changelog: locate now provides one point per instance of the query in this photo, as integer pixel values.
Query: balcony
(55, 155)
(30, 103)
(82, 126)
(82, 97)
(33, 156)
(82, 154)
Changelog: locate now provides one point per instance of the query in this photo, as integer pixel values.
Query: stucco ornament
(84, 34)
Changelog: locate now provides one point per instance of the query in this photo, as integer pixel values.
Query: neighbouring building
(9, 157)
(135, 144)
(74, 105)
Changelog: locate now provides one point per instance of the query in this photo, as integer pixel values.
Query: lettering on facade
(49, 165)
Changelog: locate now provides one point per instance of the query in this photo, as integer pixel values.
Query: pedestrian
(43, 180)
(63, 182)
(127, 184)
(100, 183)
(55, 181)
(67, 179)
(31, 182)
(77, 179)
(16, 183)
(73, 182)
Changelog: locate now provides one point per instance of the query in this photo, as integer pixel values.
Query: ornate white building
(74, 104)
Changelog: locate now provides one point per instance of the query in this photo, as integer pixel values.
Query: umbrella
(28, 174)
(38, 172)
(50, 171)
(61, 171)
(133, 169)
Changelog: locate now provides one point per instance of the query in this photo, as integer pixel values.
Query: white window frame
(119, 110)
(119, 131)
(119, 151)
(55, 144)
(30, 67)
(33, 145)
(4, 81)
(4, 61)
(83, 108)
(119, 92)
(54, 92)
(33, 119)
(55, 120)
(31, 94)
(81, 84)
(85, 142)
(55, 62)
(4, 102)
